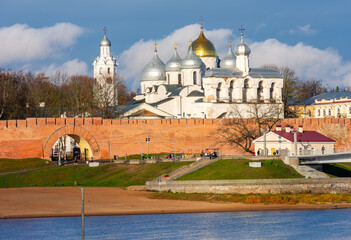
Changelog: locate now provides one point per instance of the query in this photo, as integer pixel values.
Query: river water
(301, 224)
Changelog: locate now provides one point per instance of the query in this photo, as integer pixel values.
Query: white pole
(82, 189)
(295, 141)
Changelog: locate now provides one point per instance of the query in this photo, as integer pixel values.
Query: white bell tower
(105, 69)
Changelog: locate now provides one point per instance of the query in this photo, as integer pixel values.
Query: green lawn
(107, 175)
(239, 169)
(337, 169)
(11, 165)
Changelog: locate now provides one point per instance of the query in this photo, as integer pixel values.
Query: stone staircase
(200, 163)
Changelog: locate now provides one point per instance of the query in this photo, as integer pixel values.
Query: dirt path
(65, 201)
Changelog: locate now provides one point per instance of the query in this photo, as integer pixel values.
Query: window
(309, 113)
(230, 91)
(179, 79)
(260, 91)
(194, 78)
(168, 78)
(349, 110)
(100, 71)
(319, 112)
(219, 91)
(324, 112)
(246, 86)
(108, 70)
(271, 90)
(329, 112)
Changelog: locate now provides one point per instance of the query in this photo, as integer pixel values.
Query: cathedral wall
(27, 138)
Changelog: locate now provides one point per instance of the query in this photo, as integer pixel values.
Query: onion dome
(229, 61)
(191, 61)
(155, 70)
(175, 63)
(105, 42)
(242, 48)
(203, 47)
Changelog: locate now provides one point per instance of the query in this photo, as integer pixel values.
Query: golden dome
(203, 47)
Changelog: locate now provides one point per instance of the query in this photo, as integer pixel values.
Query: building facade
(326, 105)
(201, 85)
(282, 141)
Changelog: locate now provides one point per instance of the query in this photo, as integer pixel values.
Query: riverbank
(66, 201)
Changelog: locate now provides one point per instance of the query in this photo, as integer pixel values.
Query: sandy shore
(66, 201)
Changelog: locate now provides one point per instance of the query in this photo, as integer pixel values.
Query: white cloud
(72, 67)
(306, 29)
(308, 61)
(21, 43)
(133, 60)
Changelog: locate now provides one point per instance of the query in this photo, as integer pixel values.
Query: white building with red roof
(283, 141)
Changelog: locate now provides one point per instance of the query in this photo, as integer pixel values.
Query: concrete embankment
(322, 185)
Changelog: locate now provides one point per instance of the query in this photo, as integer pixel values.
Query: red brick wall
(32, 137)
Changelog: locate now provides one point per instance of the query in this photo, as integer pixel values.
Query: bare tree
(238, 131)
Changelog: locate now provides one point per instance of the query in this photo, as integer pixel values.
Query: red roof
(305, 136)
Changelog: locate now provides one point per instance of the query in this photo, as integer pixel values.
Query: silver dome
(154, 71)
(191, 61)
(242, 49)
(105, 42)
(229, 61)
(174, 64)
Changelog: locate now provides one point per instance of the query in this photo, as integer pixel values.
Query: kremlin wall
(104, 138)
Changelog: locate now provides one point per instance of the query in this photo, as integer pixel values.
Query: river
(292, 224)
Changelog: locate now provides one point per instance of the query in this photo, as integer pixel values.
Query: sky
(311, 37)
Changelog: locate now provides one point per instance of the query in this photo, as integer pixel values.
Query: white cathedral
(200, 85)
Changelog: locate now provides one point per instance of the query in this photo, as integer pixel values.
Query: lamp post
(264, 140)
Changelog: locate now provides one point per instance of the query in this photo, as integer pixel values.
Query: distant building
(326, 105)
(282, 140)
(201, 85)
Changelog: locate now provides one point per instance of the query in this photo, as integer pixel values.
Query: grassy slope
(109, 175)
(239, 169)
(11, 165)
(338, 169)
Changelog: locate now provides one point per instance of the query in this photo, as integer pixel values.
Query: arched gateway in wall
(82, 136)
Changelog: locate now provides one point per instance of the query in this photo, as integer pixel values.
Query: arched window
(108, 70)
(329, 112)
(319, 112)
(168, 78)
(349, 110)
(324, 112)
(271, 91)
(339, 115)
(309, 113)
(100, 71)
(219, 92)
(246, 86)
(230, 91)
(194, 78)
(259, 91)
(179, 79)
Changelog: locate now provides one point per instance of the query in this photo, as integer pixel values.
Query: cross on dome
(241, 29)
(201, 21)
(230, 43)
(175, 45)
(155, 46)
(105, 30)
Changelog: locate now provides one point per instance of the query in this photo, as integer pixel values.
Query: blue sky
(312, 37)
